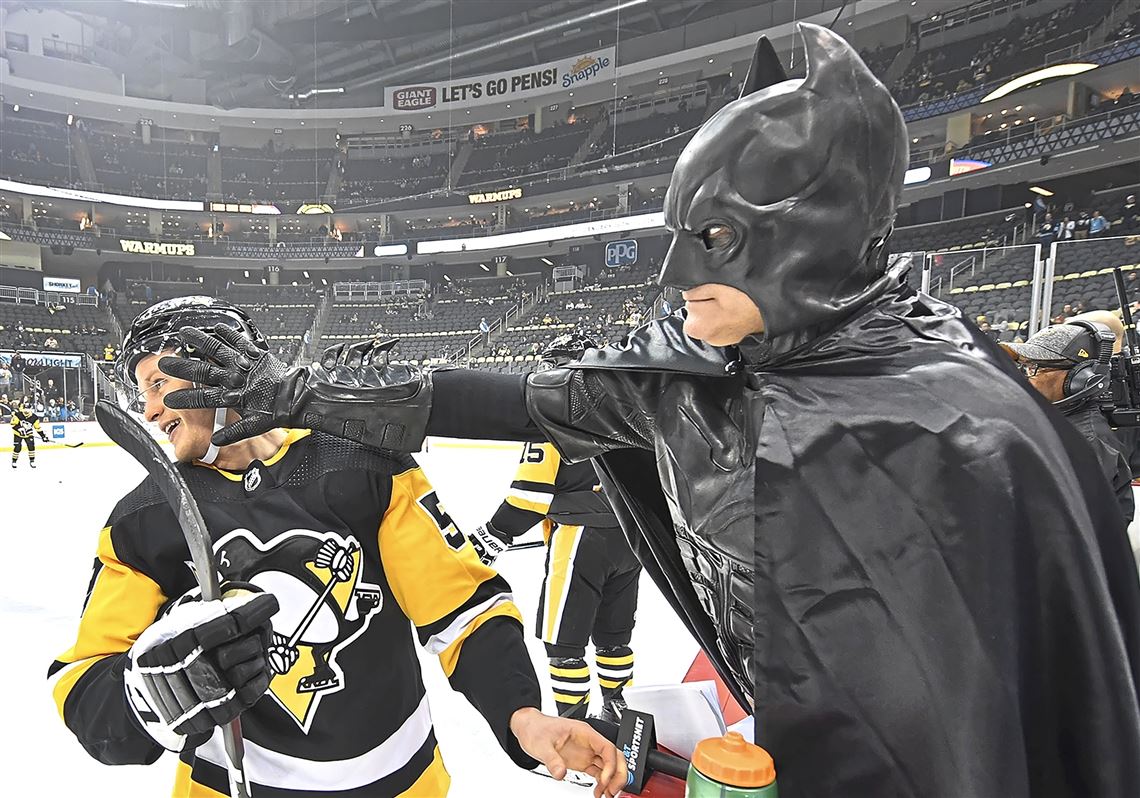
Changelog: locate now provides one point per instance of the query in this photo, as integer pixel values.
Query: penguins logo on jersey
(324, 608)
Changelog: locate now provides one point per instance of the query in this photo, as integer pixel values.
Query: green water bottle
(730, 767)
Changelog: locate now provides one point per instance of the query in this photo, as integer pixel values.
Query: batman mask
(789, 192)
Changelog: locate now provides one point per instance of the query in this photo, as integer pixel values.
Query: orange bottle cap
(734, 761)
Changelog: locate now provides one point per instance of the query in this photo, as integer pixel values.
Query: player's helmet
(564, 349)
(156, 329)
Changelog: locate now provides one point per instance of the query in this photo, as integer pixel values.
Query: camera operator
(1068, 365)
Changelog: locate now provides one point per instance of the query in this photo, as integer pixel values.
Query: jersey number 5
(447, 528)
(532, 453)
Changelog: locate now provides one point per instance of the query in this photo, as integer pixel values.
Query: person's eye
(717, 236)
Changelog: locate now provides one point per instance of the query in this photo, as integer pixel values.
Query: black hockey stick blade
(134, 438)
(74, 445)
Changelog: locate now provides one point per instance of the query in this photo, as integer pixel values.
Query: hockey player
(590, 588)
(25, 426)
(883, 538)
(326, 551)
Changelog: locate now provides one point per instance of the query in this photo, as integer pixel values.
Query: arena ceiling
(275, 52)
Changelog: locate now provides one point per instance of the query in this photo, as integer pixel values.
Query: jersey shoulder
(326, 454)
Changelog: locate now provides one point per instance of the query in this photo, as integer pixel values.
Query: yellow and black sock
(570, 678)
(615, 671)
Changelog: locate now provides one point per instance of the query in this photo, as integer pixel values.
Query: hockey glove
(353, 392)
(200, 666)
(489, 543)
(43, 436)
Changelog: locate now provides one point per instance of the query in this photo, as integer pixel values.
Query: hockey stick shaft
(530, 544)
(134, 438)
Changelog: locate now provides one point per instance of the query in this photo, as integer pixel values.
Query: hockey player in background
(884, 539)
(326, 551)
(590, 588)
(25, 428)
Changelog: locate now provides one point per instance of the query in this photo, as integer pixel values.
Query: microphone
(636, 739)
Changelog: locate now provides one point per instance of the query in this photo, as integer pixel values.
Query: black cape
(945, 603)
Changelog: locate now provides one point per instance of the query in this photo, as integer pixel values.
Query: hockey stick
(530, 544)
(133, 437)
(74, 445)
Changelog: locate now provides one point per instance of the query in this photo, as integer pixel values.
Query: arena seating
(168, 169)
(522, 152)
(1020, 45)
(75, 328)
(275, 175)
(374, 174)
(36, 149)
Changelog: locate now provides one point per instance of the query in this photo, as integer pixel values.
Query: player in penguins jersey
(25, 426)
(590, 588)
(328, 549)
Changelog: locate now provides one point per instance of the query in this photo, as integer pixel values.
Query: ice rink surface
(51, 520)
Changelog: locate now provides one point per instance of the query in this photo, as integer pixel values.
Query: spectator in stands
(1048, 359)
(1097, 225)
(5, 378)
(1129, 215)
(1066, 229)
(485, 331)
(18, 365)
(1046, 233)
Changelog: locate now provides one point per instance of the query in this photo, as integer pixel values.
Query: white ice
(51, 519)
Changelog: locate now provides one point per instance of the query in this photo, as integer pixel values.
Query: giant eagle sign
(569, 73)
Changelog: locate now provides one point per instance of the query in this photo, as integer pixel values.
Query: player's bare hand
(563, 744)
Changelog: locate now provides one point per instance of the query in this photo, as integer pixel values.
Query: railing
(378, 290)
(18, 295)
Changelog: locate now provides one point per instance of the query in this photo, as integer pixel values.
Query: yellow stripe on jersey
(123, 602)
(530, 505)
(434, 782)
(186, 787)
(563, 546)
(625, 660)
(432, 571)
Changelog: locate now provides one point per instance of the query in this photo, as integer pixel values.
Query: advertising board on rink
(518, 84)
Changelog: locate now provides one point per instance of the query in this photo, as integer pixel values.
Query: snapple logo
(585, 68)
(414, 98)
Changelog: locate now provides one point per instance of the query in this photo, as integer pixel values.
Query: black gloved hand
(353, 392)
(44, 437)
(200, 666)
(236, 373)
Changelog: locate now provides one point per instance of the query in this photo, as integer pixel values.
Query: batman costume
(886, 542)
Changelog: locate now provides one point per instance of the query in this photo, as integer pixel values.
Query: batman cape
(903, 557)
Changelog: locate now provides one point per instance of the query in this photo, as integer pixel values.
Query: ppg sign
(621, 253)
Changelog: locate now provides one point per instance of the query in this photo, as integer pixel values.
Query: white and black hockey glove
(200, 666)
(489, 543)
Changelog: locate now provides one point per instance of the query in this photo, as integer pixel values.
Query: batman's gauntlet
(350, 395)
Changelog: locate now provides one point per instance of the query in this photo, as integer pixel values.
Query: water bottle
(730, 767)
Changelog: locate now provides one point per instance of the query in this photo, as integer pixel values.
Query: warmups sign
(155, 248)
(495, 196)
(582, 70)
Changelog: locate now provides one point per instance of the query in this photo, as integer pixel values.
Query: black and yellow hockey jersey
(346, 711)
(548, 489)
(25, 423)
